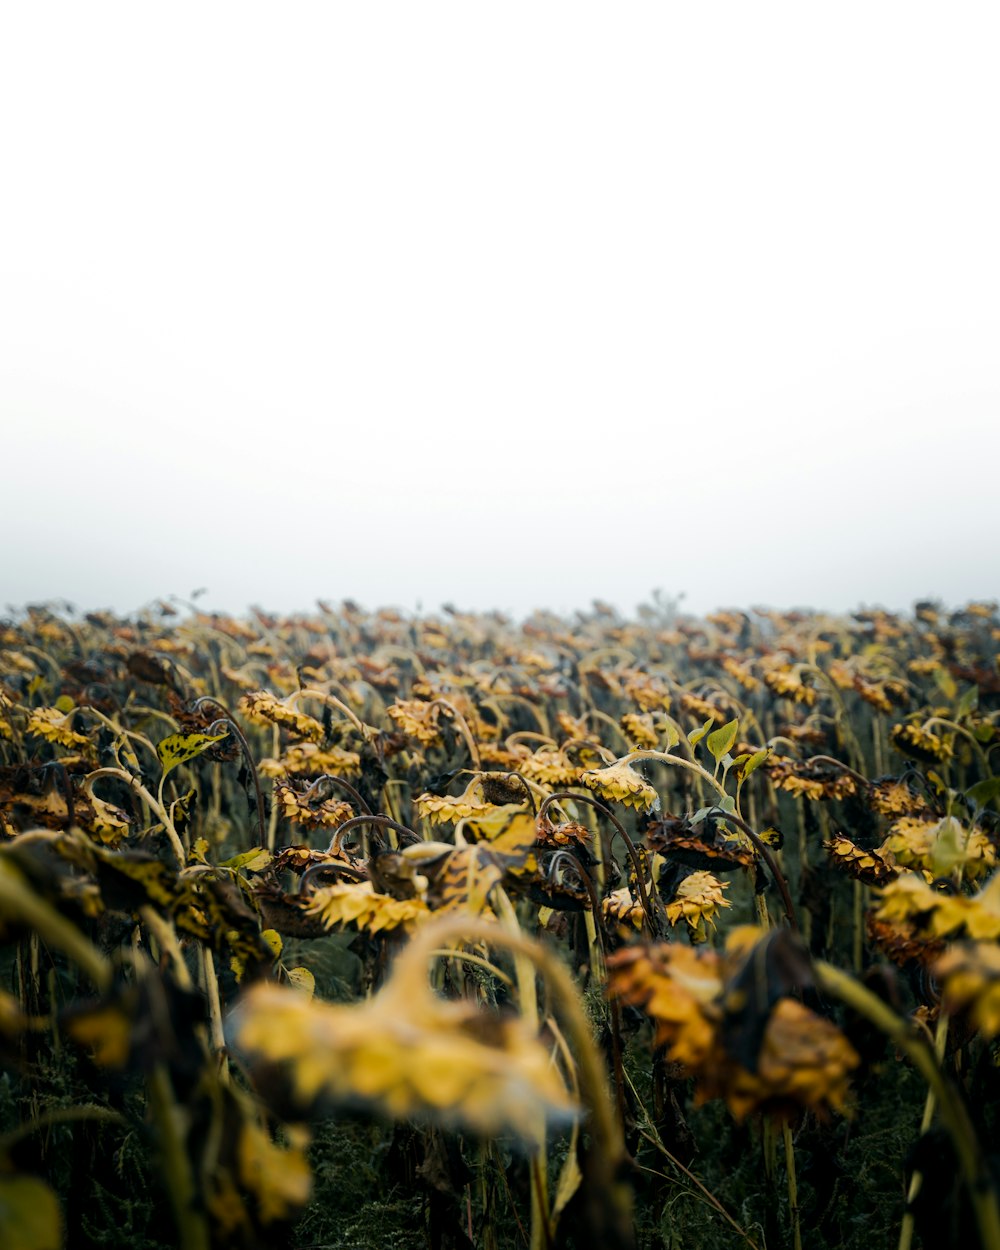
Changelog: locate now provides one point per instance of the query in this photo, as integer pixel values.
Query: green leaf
(698, 734)
(273, 940)
(255, 860)
(720, 741)
(754, 762)
(967, 703)
(672, 736)
(302, 979)
(29, 1215)
(983, 793)
(949, 849)
(179, 748)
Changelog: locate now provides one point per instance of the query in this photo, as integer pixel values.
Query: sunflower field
(366, 929)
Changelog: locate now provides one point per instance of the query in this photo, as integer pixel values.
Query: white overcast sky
(508, 305)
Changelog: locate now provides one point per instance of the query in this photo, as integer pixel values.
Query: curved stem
(463, 727)
(234, 728)
(844, 768)
(356, 822)
(587, 744)
(607, 1155)
(764, 851)
(346, 786)
(19, 900)
(135, 784)
(332, 701)
(633, 854)
(956, 1118)
(663, 758)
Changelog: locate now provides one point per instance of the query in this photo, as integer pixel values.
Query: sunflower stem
(954, 1114)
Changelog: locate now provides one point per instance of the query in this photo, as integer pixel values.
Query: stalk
(954, 1114)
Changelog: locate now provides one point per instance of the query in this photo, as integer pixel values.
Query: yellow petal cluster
(622, 784)
(52, 725)
(441, 809)
(313, 814)
(909, 900)
(969, 976)
(417, 720)
(697, 900)
(921, 744)
(358, 904)
(262, 708)
(308, 758)
(619, 905)
(407, 1053)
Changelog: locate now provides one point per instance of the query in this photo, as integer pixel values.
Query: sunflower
(358, 904)
(920, 744)
(54, 726)
(640, 730)
(260, 707)
(697, 900)
(550, 767)
(309, 759)
(417, 719)
(296, 805)
(939, 846)
(622, 784)
(622, 907)
(442, 809)
(406, 1052)
(871, 867)
(969, 976)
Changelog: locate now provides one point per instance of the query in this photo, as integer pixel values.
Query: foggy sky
(506, 306)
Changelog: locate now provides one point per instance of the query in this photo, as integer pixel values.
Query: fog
(500, 306)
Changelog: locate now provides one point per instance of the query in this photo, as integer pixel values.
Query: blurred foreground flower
(406, 1052)
(741, 1036)
(969, 975)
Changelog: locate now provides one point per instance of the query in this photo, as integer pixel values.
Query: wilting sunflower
(920, 744)
(680, 990)
(969, 976)
(357, 904)
(307, 758)
(805, 1062)
(620, 905)
(262, 708)
(312, 812)
(892, 796)
(697, 900)
(871, 867)
(407, 1053)
(442, 809)
(940, 846)
(909, 900)
(786, 681)
(802, 1060)
(622, 784)
(640, 729)
(550, 767)
(54, 726)
(417, 719)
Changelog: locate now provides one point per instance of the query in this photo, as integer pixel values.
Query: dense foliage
(358, 929)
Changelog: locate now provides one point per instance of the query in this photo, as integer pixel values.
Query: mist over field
(503, 310)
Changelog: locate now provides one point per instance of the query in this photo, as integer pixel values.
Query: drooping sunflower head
(969, 976)
(920, 744)
(621, 784)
